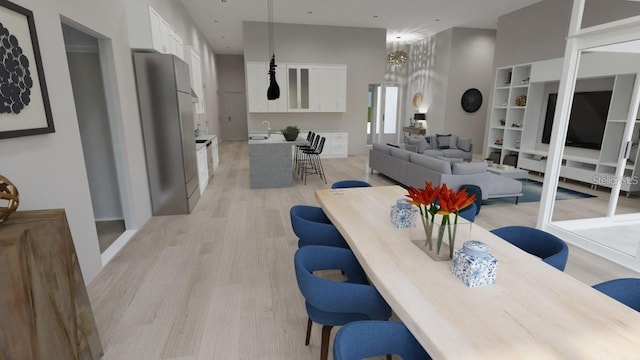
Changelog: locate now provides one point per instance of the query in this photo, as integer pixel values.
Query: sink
(258, 136)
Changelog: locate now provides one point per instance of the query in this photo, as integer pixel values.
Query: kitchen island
(271, 161)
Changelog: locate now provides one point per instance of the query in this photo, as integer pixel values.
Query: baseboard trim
(117, 245)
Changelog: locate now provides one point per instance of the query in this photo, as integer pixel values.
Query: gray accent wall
(363, 50)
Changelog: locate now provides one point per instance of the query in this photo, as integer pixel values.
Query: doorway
(83, 56)
(234, 116)
(384, 111)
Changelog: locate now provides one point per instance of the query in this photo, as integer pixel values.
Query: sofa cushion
(464, 144)
(382, 148)
(419, 141)
(450, 159)
(400, 153)
(433, 152)
(431, 163)
(500, 186)
(456, 153)
(470, 168)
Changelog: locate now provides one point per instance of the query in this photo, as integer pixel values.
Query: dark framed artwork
(24, 102)
(471, 100)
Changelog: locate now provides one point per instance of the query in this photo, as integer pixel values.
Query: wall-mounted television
(586, 122)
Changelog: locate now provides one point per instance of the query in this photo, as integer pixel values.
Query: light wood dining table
(534, 311)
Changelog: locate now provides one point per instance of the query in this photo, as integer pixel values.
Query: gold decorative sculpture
(8, 194)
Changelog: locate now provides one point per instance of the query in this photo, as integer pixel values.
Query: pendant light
(273, 92)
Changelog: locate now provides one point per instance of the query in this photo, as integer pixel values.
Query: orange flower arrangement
(439, 200)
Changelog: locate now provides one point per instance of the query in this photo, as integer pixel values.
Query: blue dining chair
(468, 213)
(313, 227)
(542, 244)
(334, 303)
(343, 184)
(365, 339)
(625, 290)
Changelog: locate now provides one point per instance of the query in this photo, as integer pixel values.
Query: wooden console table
(415, 130)
(44, 308)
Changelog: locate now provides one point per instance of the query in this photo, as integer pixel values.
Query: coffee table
(509, 171)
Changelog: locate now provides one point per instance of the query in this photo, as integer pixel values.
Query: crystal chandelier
(397, 58)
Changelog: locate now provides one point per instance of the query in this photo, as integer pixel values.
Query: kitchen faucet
(268, 127)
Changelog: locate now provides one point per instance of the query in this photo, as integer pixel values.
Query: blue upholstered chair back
(469, 213)
(313, 227)
(334, 302)
(474, 189)
(625, 290)
(349, 184)
(542, 244)
(365, 339)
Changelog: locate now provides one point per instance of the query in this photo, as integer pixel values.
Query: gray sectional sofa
(413, 169)
(441, 146)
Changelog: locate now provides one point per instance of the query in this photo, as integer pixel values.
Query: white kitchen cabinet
(303, 88)
(328, 88)
(163, 38)
(336, 144)
(257, 78)
(195, 69)
(203, 168)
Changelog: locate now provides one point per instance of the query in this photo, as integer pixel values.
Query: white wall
(363, 50)
(49, 169)
(176, 15)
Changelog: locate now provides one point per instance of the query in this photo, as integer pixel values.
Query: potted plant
(290, 132)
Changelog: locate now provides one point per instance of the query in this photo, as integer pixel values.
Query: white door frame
(578, 40)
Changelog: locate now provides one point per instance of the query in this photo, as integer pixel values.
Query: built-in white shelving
(514, 132)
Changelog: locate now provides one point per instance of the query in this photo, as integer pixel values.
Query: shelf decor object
(24, 101)
(9, 197)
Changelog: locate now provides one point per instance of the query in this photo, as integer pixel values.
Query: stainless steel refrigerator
(167, 114)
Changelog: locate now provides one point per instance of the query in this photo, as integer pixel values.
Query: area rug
(531, 191)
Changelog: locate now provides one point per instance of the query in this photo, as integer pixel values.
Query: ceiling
(405, 20)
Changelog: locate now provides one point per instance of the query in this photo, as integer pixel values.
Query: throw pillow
(443, 141)
(464, 144)
(419, 142)
(453, 142)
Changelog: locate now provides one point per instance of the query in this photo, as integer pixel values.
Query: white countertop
(278, 139)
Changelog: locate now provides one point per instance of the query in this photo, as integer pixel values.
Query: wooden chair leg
(324, 345)
(308, 331)
(388, 357)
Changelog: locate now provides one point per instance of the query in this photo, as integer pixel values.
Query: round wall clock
(471, 100)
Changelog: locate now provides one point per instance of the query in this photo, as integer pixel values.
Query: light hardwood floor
(219, 283)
